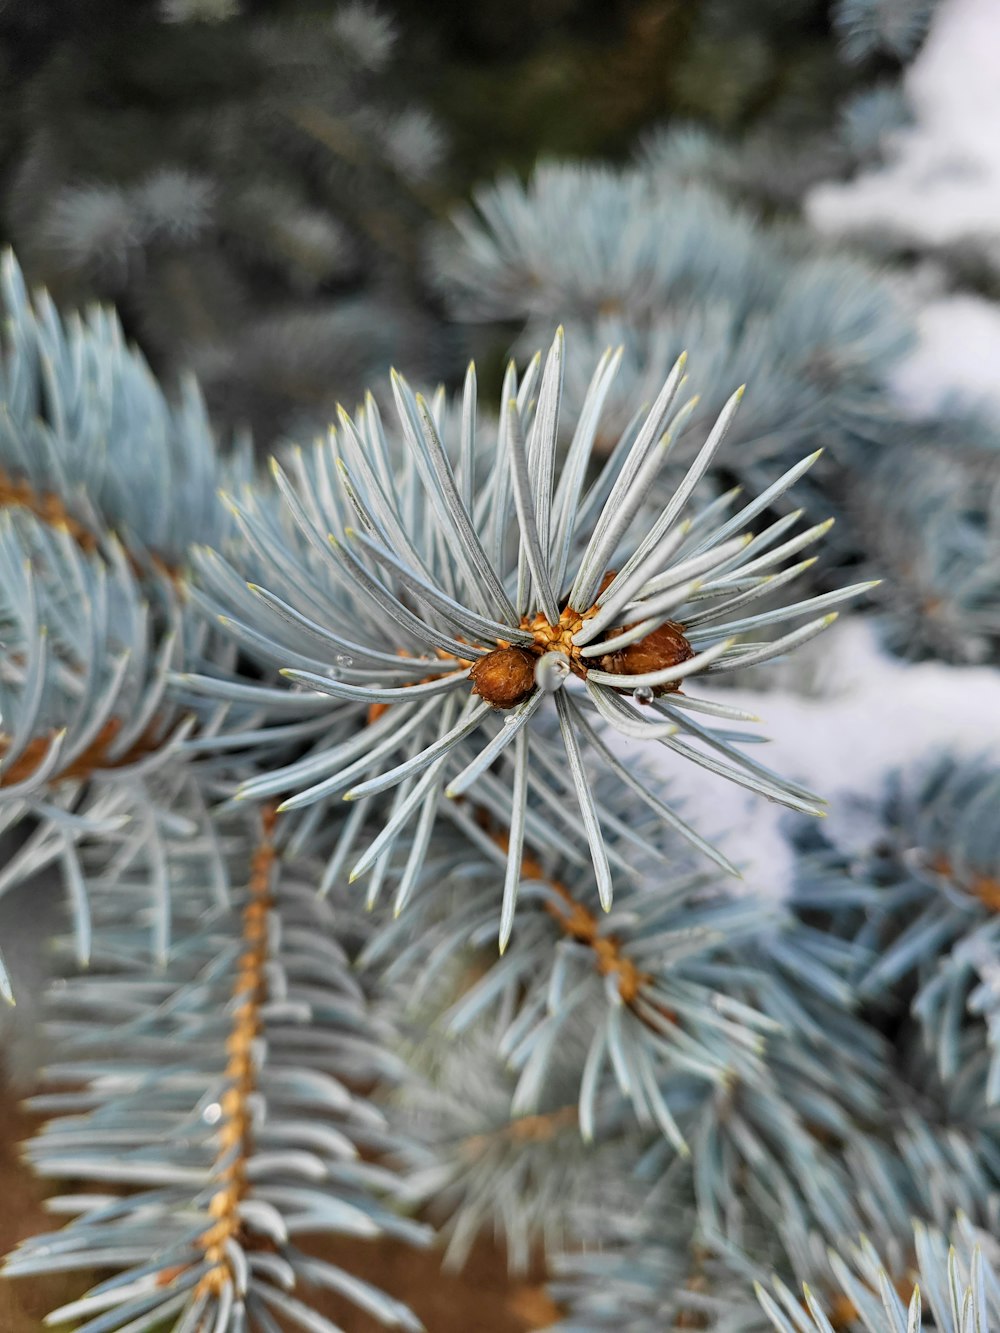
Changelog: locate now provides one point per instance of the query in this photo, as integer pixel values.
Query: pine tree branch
(580, 924)
(250, 992)
(462, 578)
(77, 399)
(97, 757)
(219, 1094)
(48, 507)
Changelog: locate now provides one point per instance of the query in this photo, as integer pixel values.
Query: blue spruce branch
(220, 1094)
(475, 592)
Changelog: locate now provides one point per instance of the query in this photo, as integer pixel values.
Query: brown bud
(663, 647)
(504, 677)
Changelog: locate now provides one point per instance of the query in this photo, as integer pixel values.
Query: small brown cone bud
(663, 647)
(504, 677)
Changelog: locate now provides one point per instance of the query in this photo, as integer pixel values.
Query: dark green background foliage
(242, 191)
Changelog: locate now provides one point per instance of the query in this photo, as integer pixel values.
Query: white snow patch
(941, 185)
(956, 362)
(876, 714)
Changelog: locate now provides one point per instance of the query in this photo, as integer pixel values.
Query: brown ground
(23, 1303)
(482, 1299)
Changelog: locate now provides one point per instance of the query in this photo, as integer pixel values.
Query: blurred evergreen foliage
(249, 183)
(582, 78)
(249, 192)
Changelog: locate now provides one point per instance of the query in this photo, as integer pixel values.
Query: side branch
(92, 759)
(51, 510)
(539, 1128)
(235, 1130)
(582, 925)
(45, 506)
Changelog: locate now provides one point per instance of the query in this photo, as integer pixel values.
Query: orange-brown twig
(539, 1128)
(92, 759)
(235, 1127)
(984, 887)
(582, 925)
(46, 506)
(51, 510)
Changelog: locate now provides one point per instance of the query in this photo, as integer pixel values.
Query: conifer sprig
(89, 741)
(632, 988)
(220, 1094)
(465, 591)
(957, 1286)
(649, 258)
(923, 910)
(87, 433)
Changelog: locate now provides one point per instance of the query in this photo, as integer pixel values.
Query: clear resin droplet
(342, 659)
(212, 1113)
(643, 694)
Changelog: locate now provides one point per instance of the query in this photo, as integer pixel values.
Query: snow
(956, 362)
(941, 185)
(872, 714)
(939, 188)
